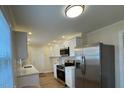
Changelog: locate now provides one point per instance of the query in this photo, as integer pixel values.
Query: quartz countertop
(27, 70)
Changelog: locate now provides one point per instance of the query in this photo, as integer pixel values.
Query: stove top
(61, 67)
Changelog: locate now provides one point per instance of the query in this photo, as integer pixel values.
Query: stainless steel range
(61, 72)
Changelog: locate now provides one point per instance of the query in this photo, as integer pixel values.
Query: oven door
(61, 74)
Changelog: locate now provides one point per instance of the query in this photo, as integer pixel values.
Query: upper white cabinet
(72, 44)
(55, 51)
(75, 43)
(20, 44)
(66, 44)
(51, 51)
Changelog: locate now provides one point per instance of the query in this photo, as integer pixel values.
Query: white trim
(47, 72)
(121, 57)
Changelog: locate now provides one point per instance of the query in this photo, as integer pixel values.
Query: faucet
(21, 63)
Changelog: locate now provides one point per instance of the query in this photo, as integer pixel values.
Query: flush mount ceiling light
(29, 33)
(74, 10)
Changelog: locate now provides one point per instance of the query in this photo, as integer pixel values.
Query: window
(6, 76)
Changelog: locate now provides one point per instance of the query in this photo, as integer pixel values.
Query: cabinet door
(51, 51)
(61, 46)
(72, 44)
(54, 51)
(21, 44)
(57, 50)
(67, 77)
(70, 76)
(55, 70)
(66, 44)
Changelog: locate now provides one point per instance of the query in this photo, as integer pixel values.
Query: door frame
(121, 57)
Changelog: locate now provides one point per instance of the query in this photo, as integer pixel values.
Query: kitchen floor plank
(47, 80)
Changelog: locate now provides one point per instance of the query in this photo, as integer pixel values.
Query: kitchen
(49, 47)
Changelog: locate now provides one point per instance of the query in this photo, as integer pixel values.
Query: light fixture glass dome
(74, 10)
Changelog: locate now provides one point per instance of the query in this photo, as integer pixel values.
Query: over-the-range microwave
(65, 51)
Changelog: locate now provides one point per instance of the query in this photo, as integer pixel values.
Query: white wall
(110, 35)
(39, 57)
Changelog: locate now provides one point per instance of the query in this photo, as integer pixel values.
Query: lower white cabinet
(55, 70)
(70, 76)
(28, 80)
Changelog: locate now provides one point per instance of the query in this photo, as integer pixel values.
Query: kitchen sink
(27, 66)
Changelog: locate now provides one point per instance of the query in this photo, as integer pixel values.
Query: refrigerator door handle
(84, 65)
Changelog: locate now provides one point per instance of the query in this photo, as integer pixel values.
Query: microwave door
(65, 52)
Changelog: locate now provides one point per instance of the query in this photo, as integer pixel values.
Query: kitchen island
(28, 76)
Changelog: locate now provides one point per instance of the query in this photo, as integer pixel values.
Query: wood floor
(47, 80)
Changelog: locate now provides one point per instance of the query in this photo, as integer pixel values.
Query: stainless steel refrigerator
(97, 68)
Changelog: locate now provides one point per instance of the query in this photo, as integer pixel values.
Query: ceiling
(48, 22)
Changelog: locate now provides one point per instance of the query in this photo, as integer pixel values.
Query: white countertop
(72, 67)
(27, 71)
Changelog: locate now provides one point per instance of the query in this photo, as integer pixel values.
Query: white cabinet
(55, 62)
(70, 76)
(75, 43)
(51, 51)
(28, 76)
(61, 45)
(66, 44)
(28, 80)
(72, 44)
(20, 44)
(55, 70)
(55, 51)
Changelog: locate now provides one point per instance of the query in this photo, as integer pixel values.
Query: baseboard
(46, 72)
